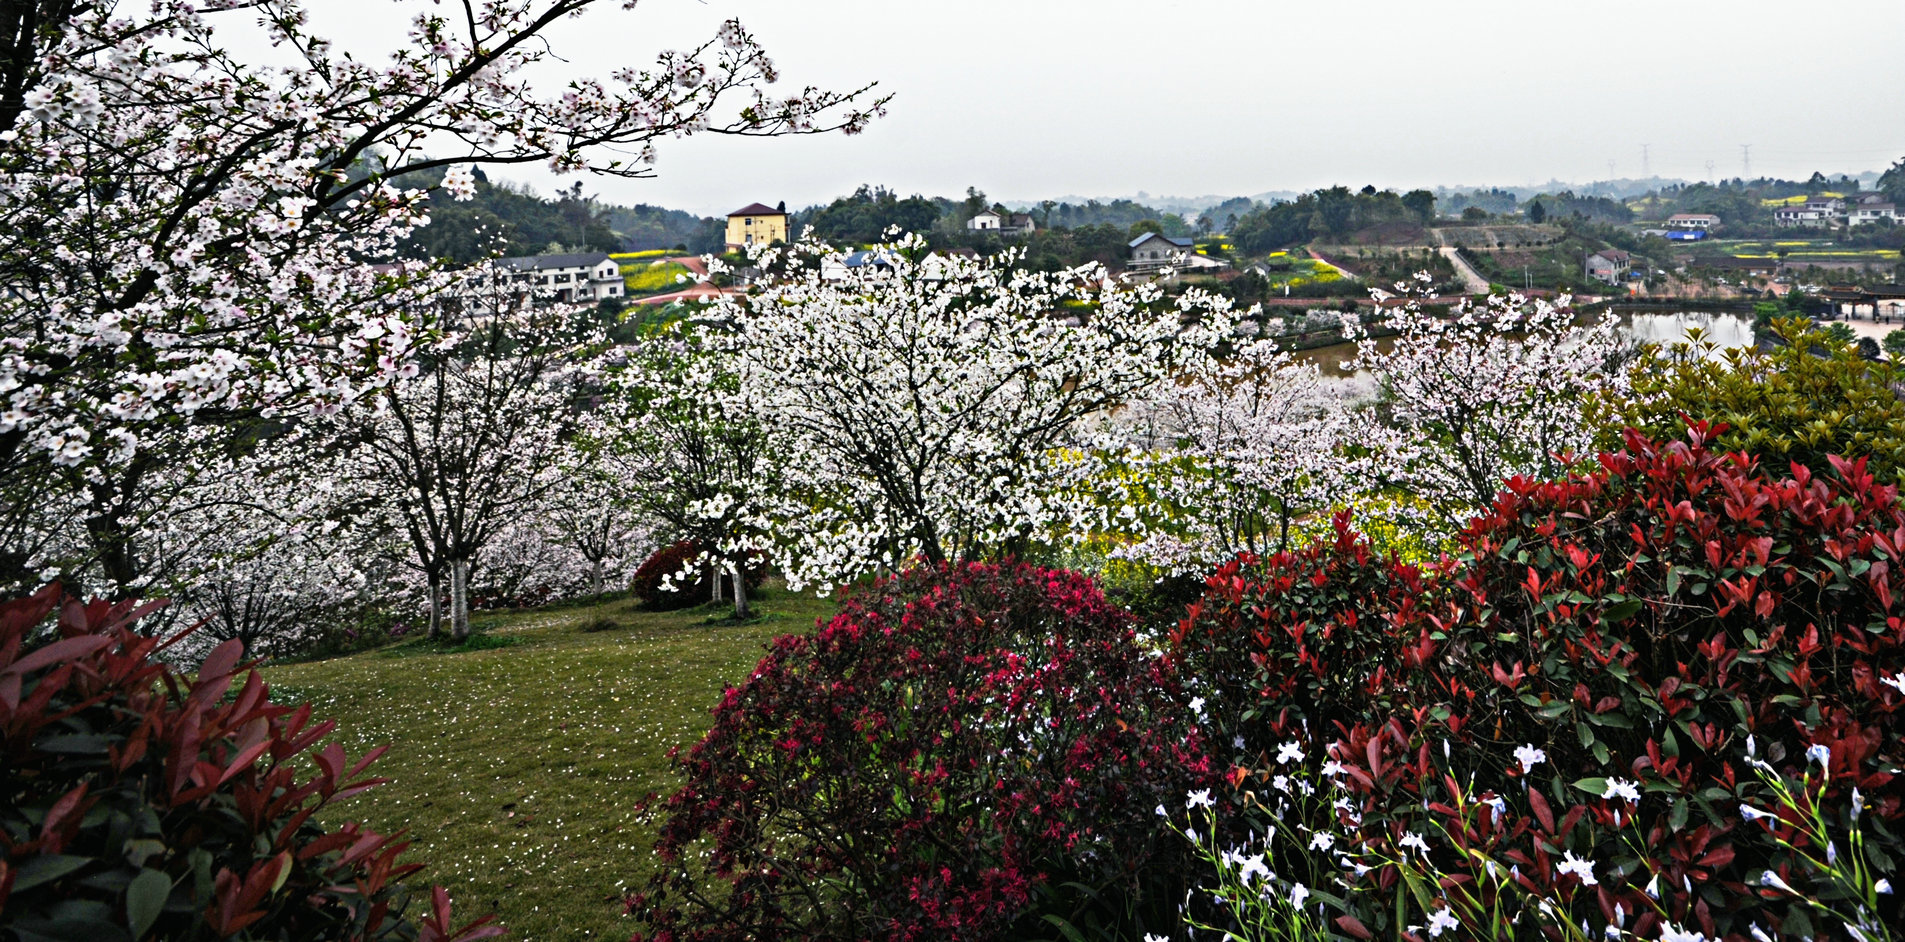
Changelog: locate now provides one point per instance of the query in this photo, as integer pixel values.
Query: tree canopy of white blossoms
(1490, 392)
(1228, 460)
(185, 237)
(929, 406)
(676, 437)
(452, 456)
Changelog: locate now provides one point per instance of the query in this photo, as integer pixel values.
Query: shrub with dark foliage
(670, 560)
(952, 756)
(1657, 624)
(137, 805)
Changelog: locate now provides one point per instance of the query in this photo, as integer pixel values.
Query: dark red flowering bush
(1652, 628)
(952, 756)
(137, 804)
(669, 561)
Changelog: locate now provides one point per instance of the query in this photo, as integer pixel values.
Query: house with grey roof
(574, 277)
(1152, 250)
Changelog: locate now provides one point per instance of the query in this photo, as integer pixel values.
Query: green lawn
(516, 768)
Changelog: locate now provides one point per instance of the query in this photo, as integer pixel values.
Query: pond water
(1663, 327)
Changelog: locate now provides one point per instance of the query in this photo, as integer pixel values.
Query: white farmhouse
(1701, 221)
(577, 276)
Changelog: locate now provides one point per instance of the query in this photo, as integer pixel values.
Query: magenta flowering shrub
(1582, 705)
(958, 753)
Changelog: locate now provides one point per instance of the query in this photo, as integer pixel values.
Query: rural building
(1865, 213)
(1880, 303)
(1156, 251)
(1014, 225)
(756, 224)
(1609, 265)
(837, 268)
(1815, 213)
(1701, 221)
(574, 277)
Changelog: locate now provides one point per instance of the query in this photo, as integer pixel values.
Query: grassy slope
(517, 768)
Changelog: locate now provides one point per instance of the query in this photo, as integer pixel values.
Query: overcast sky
(1034, 98)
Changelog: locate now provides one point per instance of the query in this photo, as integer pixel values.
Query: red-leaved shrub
(135, 804)
(669, 563)
(950, 757)
(1655, 625)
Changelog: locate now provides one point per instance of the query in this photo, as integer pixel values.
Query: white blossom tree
(928, 406)
(184, 235)
(1228, 460)
(687, 454)
(453, 456)
(1483, 394)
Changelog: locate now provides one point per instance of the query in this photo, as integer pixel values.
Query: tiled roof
(756, 209)
(547, 262)
(1180, 243)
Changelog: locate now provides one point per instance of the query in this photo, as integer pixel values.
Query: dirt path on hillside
(1472, 281)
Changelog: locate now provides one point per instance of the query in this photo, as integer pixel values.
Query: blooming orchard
(1494, 391)
(183, 235)
(930, 406)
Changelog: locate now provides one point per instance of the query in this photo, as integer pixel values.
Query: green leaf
(1677, 817)
(47, 868)
(1593, 786)
(145, 898)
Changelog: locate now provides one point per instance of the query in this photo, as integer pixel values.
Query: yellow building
(757, 225)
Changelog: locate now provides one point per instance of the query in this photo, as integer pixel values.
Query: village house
(1609, 265)
(1701, 221)
(570, 278)
(1010, 225)
(1152, 250)
(1872, 212)
(1815, 213)
(757, 224)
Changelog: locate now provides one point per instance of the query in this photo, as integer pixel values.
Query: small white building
(1013, 225)
(1701, 221)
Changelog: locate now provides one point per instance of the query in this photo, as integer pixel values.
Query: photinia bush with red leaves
(1654, 628)
(962, 751)
(672, 560)
(138, 804)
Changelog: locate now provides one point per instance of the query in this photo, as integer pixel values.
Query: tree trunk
(460, 600)
(714, 581)
(740, 593)
(436, 607)
(595, 577)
